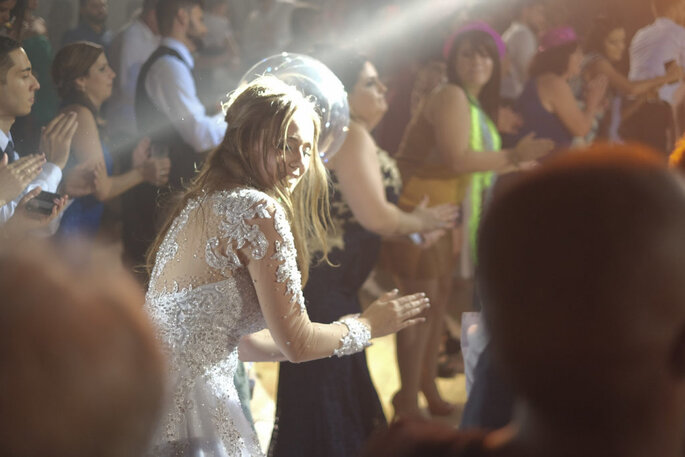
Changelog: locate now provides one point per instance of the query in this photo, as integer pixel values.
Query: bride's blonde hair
(258, 117)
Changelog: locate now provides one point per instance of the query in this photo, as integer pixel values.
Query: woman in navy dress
(83, 79)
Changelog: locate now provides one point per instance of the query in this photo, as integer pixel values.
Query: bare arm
(86, 147)
(277, 283)
(634, 88)
(361, 184)
(449, 112)
(560, 97)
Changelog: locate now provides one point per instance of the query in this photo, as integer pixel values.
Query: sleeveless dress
(330, 407)
(424, 173)
(202, 300)
(84, 214)
(538, 120)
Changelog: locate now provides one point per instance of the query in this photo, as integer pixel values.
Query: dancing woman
(450, 144)
(232, 260)
(335, 399)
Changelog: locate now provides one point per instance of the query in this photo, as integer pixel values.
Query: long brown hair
(258, 118)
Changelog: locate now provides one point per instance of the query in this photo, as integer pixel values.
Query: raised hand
(16, 176)
(392, 313)
(436, 217)
(55, 141)
(156, 171)
(141, 153)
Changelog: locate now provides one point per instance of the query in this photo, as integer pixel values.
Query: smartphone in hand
(42, 203)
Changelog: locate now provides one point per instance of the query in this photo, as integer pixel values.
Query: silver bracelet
(357, 338)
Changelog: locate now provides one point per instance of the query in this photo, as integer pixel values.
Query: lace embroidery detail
(233, 227)
(234, 213)
(357, 338)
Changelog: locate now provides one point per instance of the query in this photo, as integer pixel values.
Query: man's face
(196, 29)
(5, 8)
(95, 11)
(18, 92)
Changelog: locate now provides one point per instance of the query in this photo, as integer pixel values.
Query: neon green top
(480, 181)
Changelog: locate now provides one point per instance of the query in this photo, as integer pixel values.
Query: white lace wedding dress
(223, 251)
(202, 300)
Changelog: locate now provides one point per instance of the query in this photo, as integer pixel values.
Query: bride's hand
(391, 313)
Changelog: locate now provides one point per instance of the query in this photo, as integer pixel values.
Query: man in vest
(169, 112)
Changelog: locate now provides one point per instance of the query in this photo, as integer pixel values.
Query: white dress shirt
(48, 180)
(522, 45)
(132, 46)
(652, 47)
(171, 87)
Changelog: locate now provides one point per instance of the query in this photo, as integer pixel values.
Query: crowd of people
(515, 150)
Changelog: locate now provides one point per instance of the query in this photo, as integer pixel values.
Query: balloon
(316, 81)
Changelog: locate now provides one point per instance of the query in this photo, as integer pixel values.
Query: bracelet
(357, 338)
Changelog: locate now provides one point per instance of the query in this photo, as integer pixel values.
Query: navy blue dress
(83, 216)
(538, 120)
(330, 407)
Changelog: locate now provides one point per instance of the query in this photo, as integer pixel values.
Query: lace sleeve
(277, 282)
(242, 215)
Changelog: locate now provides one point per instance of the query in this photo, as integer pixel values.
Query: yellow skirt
(409, 261)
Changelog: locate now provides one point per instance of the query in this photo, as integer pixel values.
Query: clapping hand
(530, 148)
(436, 217)
(508, 121)
(80, 180)
(55, 141)
(155, 170)
(16, 176)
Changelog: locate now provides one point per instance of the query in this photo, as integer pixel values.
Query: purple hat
(558, 37)
(476, 25)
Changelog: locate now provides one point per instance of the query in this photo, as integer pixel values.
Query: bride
(229, 267)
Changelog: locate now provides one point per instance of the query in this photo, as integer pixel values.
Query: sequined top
(202, 300)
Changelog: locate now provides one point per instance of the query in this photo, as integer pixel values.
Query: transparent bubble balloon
(316, 81)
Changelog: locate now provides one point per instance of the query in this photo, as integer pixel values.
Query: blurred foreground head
(80, 371)
(581, 267)
(581, 273)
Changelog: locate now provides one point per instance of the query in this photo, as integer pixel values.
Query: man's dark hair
(166, 11)
(561, 292)
(7, 45)
(554, 60)
(662, 6)
(149, 5)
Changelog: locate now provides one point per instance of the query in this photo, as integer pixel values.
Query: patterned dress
(202, 300)
(330, 407)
